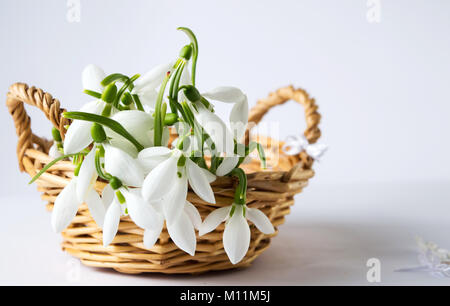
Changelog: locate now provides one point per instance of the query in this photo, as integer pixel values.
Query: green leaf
(108, 122)
(43, 170)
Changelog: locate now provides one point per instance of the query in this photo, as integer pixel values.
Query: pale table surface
(331, 233)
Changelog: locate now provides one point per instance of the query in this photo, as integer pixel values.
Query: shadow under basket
(271, 190)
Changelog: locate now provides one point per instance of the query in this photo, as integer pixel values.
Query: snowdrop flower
(296, 144)
(145, 87)
(169, 180)
(222, 137)
(78, 135)
(79, 190)
(126, 171)
(139, 124)
(239, 112)
(149, 215)
(236, 237)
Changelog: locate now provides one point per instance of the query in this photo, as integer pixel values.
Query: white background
(383, 90)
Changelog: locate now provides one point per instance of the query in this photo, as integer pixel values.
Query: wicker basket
(271, 191)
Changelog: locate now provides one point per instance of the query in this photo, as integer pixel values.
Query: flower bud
(170, 119)
(192, 93)
(109, 93)
(115, 183)
(98, 133)
(56, 135)
(186, 52)
(126, 98)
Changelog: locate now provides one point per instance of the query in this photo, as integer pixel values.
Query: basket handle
(281, 96)
(20, 93)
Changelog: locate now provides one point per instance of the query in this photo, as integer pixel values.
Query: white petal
(66, 207)
(124, 145)
(199, 182)
(123, 166)
(239, 119)
(54, 152)
(78, 135)
(160, 180)
(107, 196)
(153, 78)
(87, 176)
(92, 76)
(96, 207)
(260, 220)
(217, 130)
(236, 237)
(175, 200)
(193, 214)
(137, 123)
(151, 236)
(147, 96)
(209, 176)
(150, 158)
(182, 234)
(213, 220)
(111, 223)
(93, 107)
(225, 94)
(227, 165)
(142, 212)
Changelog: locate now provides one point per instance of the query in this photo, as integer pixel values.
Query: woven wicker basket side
(271, 191)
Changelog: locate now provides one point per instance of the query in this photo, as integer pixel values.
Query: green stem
(240, 196)
(128, 83)
(98, 165)
(108, 122)
(194, 42)
(138, 103)
(51, 164)
(159, 123)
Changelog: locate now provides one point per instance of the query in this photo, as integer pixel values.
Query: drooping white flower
(149, 216)
(169, 180)
(78, 135)
(236, 237)
(121, 165)
(181, 232)
(146, 86)
(138, 124)
(67, 203)
(127, 169)
(113, 213)
(222, 137)
(239, 112)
